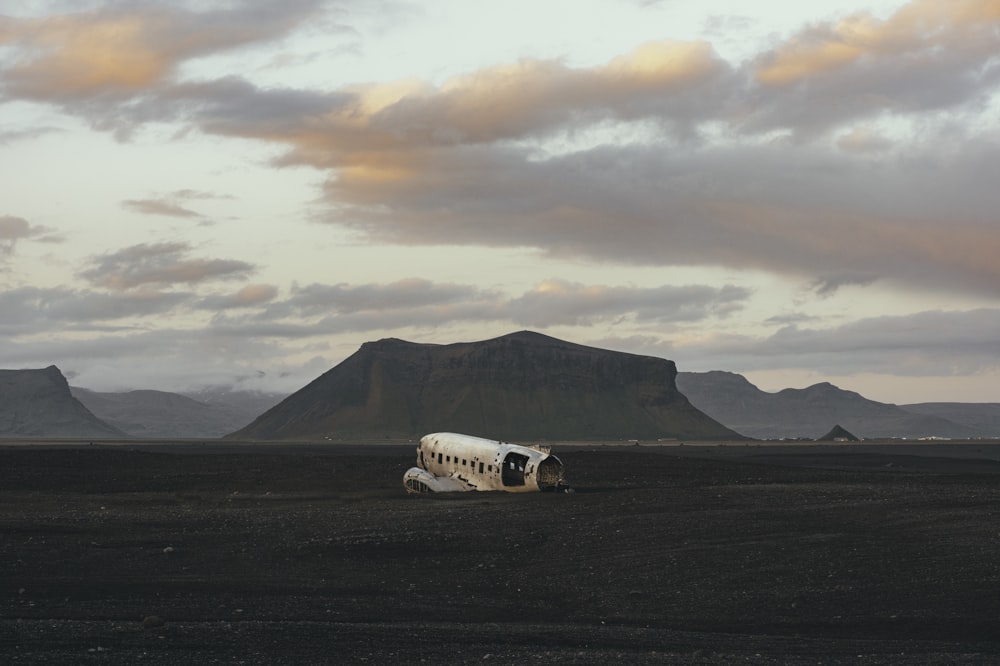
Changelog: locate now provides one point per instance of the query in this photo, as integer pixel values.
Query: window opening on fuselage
(480, 468)
(463, 461)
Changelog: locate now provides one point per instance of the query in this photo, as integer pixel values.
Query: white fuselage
(448, 461)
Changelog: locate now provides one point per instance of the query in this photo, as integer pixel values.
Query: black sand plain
(223, 553)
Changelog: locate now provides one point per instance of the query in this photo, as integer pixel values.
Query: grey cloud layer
(257, 317)
(922, 344)
(145, 291)
(29, 310)
(112, 330)
(160, 264)
(558, 302)
(159, 207)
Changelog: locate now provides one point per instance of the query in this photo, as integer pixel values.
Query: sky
(243, 192)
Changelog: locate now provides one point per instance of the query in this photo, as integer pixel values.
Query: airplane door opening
(513, 469)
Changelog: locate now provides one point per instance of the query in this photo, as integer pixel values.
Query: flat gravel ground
(313, 554)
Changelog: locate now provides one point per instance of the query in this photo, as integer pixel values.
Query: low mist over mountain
(38, 403)
(812, 411)
(243, 405)
(516, 387)
(159, 414)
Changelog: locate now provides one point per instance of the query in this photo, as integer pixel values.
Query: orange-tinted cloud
(922, 26)
(386, 133)
(81, 55)
(123, 50)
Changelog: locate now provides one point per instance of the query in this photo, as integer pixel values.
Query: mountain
(38, 403)
(983, 416)
(520, 386)
(159, 414)
(791, 413)
(838, 434)
(243, 405)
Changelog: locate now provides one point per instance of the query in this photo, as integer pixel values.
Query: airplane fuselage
(449, 462)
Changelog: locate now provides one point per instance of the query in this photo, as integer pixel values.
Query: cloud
(925, 31)
(126, 48)
(159, 207)
(14, 229)
(801, 211)
(384, 132)
(420, 304)
(184, 359)
(829, 284)
(402, 294)
(252, 295)
(929, 55)
(930, 343)
(160, 264)
(862, 141)
(782, 164)
(12, 136)
(30, 310)
(114, 330)
(136, 279)
(172, 204)
(467, 162)
(318, 309)
(558, 302)
(668, 80)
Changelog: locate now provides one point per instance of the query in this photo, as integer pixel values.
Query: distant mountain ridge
(792, 413)
(159, 414)
(520, 386)
(983, 416)
(38, 403)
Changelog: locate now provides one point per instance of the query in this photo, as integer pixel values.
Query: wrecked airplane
(451, 462)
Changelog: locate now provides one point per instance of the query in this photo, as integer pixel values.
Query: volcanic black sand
(309, 554)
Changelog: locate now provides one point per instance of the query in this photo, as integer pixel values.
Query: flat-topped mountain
(520, 386)
(38, 403)
(734, 401)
